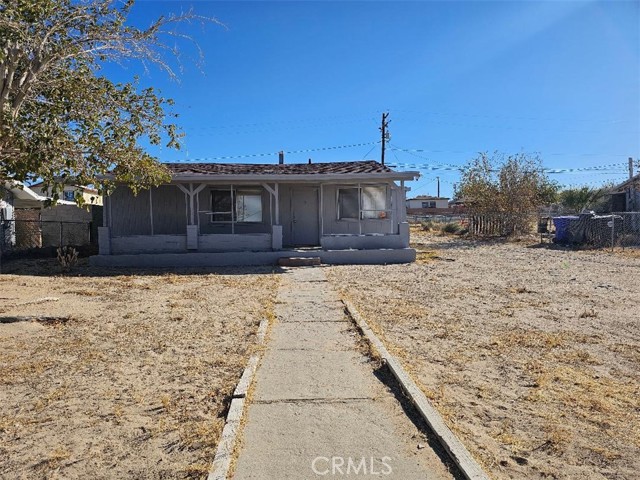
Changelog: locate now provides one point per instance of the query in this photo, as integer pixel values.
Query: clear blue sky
(559, 78)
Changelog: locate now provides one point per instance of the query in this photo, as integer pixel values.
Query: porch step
(298, 261)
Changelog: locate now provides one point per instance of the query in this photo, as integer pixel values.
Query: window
(429, 204)
(221, 205)
(365, 202)
(247, 206)
(348, 203)
(374, 202)
(68, 195)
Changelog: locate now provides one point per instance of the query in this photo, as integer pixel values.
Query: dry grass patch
(142, 372)
(531, 355)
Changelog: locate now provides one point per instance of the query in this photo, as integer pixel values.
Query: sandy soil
(532, 355)
(136, 383)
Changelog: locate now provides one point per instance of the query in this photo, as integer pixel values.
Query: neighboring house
(91, 196)
(346, 212)
(428, 205)
(625, 197)
(28, 220)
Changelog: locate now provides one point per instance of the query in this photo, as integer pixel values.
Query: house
(232, 214)
(90, 195)
(625, 197)
(428, 205)
(29, 221)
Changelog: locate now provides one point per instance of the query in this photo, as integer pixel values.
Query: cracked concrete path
(318, 409)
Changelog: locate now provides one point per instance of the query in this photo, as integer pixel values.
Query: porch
(215, 217)
(198, 259)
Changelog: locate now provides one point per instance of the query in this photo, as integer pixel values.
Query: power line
(267, 154)
(475, 152)
(329, 119)
(518, 117)
(550, 170)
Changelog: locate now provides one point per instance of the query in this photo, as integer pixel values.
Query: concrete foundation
(177, 260)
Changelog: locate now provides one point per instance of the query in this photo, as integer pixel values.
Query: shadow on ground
(50, 267)
(383, 374)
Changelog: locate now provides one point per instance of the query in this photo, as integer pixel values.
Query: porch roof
(362, 170)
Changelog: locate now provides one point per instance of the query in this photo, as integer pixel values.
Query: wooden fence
(487, 225)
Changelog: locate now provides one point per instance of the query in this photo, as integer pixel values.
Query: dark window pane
(221, 205)
(348, 205)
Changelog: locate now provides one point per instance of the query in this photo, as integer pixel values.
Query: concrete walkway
(318, 409)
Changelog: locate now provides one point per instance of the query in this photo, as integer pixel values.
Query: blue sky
(558, 78)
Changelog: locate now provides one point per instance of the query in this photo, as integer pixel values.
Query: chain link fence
(35, 238)
(618, 229)
(610, 230)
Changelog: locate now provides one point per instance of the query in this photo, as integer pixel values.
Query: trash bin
(563, 235)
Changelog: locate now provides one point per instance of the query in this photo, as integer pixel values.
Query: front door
(304, 216)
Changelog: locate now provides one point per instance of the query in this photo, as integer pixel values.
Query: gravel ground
(531, 354)
(135, 384)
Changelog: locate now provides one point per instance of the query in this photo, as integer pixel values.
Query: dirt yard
(136, 382)
(532, 355)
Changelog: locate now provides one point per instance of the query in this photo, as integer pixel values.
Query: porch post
(104, 232)
(192, 227)
(359, 209)
(321, 212)
(276, 228)
(277, 200)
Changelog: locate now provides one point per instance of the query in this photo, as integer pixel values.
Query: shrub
(67, 257)
(427, 225)
(451, 227)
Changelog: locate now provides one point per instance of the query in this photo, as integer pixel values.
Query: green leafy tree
(510, 187)
(579, 199)
(60, 120)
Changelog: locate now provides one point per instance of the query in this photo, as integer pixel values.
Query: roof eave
(316, 177)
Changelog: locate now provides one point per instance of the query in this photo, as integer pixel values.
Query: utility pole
(438, 186)
(385, 134)
(632, 190)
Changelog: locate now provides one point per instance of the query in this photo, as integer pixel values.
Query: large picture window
(236, 205)
(363, 202)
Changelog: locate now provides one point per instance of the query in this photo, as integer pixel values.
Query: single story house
(232, 214)
(625, 197)
(428, 205)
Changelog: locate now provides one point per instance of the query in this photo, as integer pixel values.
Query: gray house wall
(169, 210)
(158, 221)
(129, 213)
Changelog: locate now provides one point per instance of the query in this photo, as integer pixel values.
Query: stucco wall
(149, 244)
(234, 243)
(342, 242)
(178, 243)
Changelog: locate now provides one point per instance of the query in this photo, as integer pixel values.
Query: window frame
(232, 192)
(388, 210)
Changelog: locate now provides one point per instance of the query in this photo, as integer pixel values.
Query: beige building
(91, 196)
